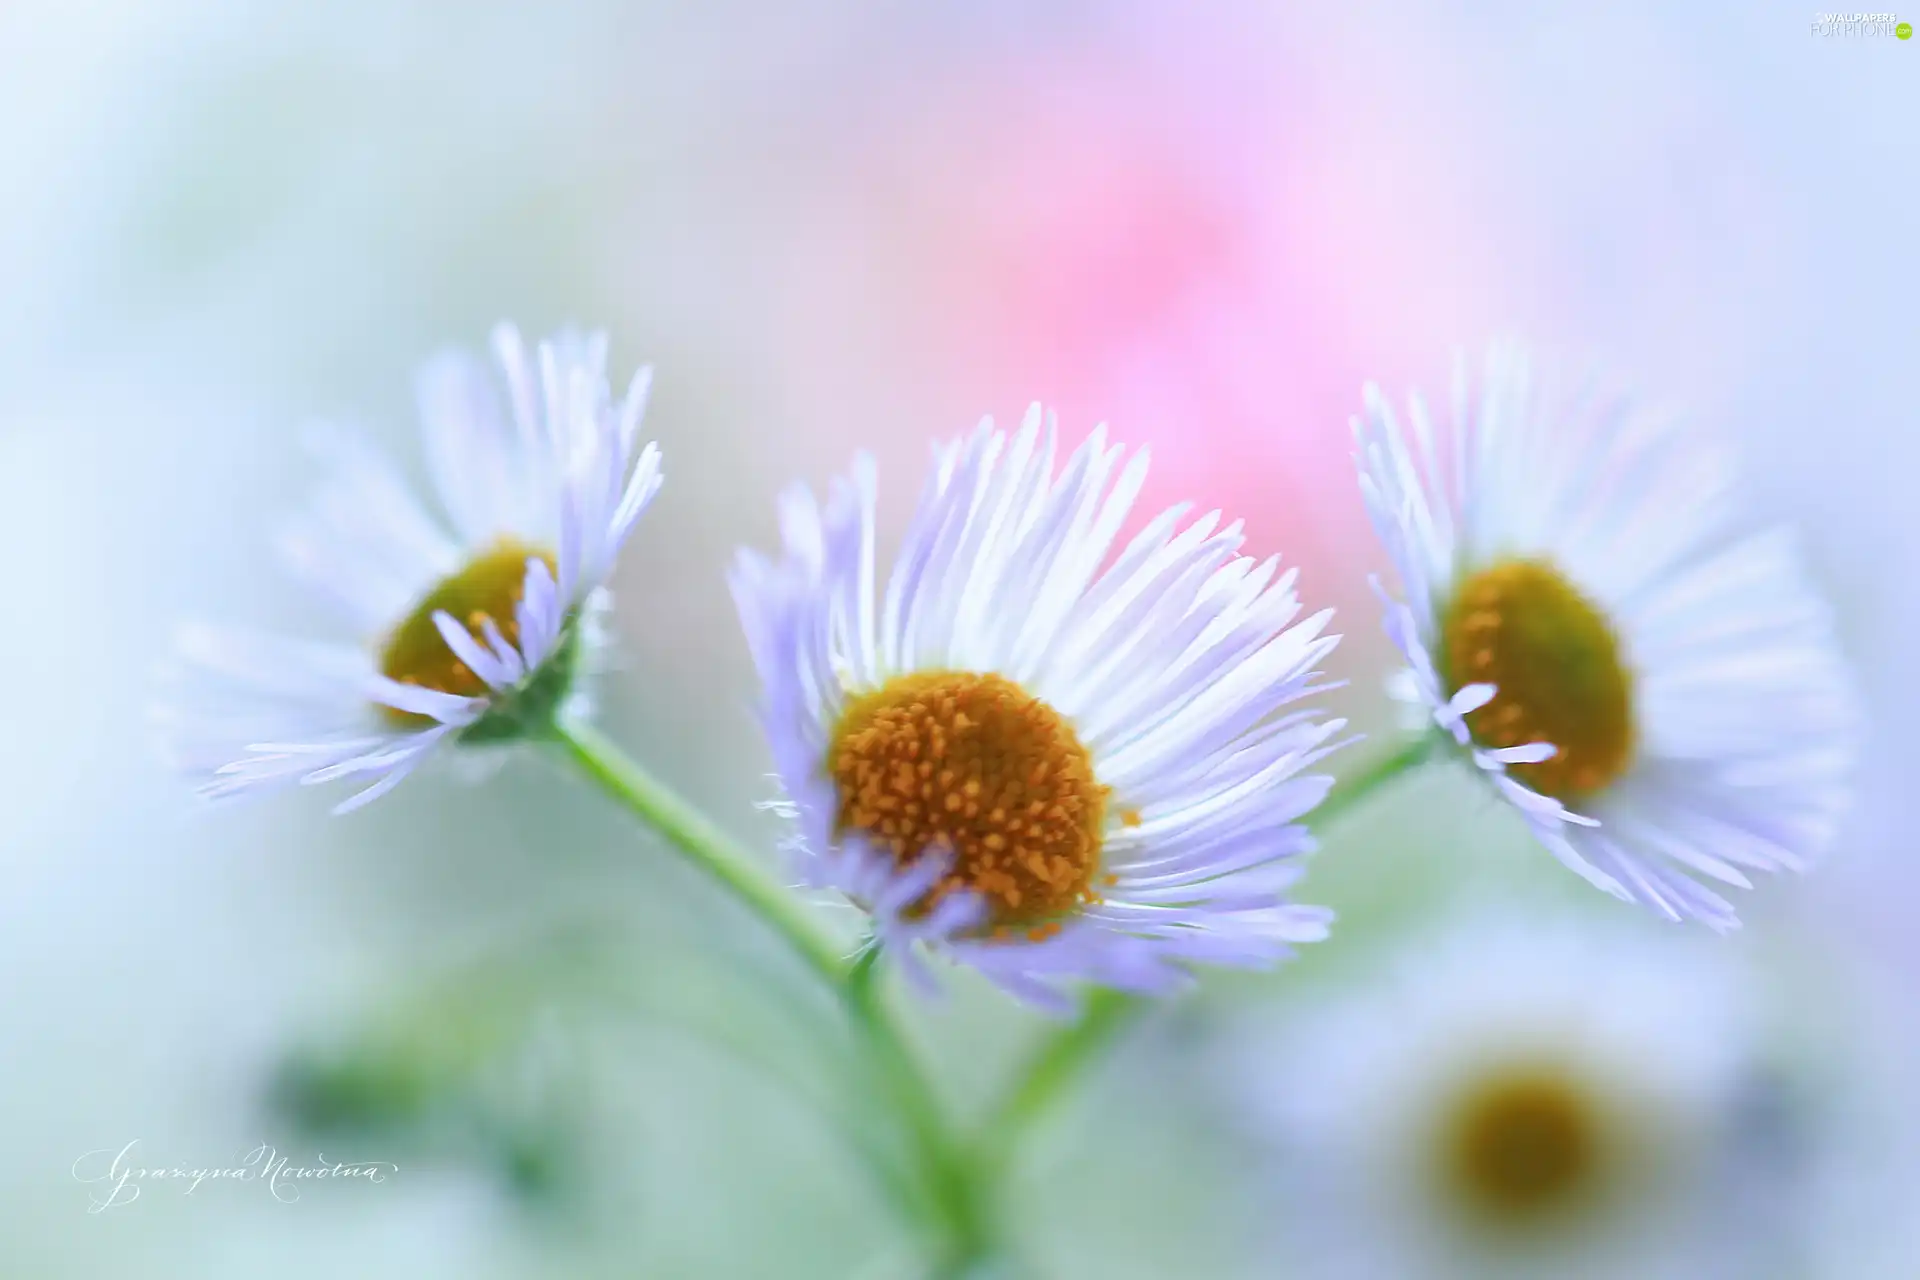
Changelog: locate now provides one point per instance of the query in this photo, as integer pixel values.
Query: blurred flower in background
(842, 228)
(1523, 1093)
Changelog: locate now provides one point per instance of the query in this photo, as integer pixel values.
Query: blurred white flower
(1649, 680)
(1521, 1097)
(472, 628)
(1050, 772)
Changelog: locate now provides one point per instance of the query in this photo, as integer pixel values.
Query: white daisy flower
(471, 628)
(1647, 679)
(1047, 766)
(1523, 1097)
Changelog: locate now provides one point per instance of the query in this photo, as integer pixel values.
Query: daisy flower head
(1521, 1095)
(1588, 616)
(1046, 762)
(470, 622)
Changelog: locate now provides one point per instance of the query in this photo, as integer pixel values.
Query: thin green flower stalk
(1062, 1057)
(954, 1180)
(959, 1208)
(705, 845)
(944, 1184)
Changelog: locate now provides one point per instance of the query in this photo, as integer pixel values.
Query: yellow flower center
(1522, 627)
(488, 588)
(974, 765)
(1523, 1147)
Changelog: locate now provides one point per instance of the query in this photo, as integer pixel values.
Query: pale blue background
(221, 220)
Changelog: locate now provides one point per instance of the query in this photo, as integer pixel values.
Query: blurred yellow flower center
(489, 587)
(974, 765)
(1522, 627)
(1523, 1147)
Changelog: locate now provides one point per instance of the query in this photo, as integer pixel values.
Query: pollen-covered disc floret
(485, 595)
(975, 767)
(474, 623)
(1517, 1094)
(1556, 671)
(1642, 673)
(1047, 762)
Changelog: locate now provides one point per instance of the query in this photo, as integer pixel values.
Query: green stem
(965, 1235)
(1053, 1066)
(705, 845)
(1063, 1055)
(1383, 768)
(838, 1112)
(944, 1171)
